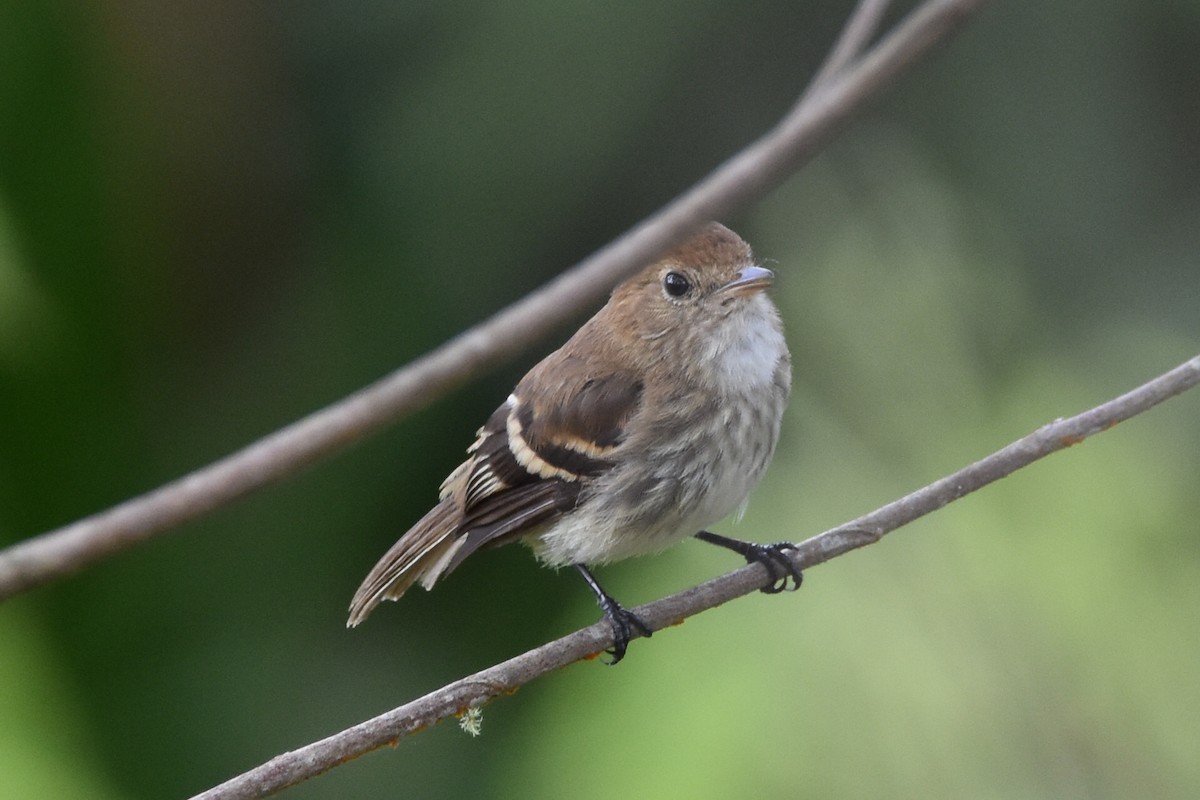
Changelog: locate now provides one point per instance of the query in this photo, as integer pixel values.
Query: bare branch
(854, 38)
(746, 177)
(299, 765)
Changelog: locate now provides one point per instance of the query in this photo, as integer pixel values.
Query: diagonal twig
(504, 678)
(744, 178)
(853, 39)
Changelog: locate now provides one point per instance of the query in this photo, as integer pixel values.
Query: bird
(654, 420)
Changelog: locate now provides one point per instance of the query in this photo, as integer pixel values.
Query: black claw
(625, 624)
(774, 557)
(777, 561)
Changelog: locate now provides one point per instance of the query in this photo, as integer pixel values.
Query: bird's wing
(528, 465)
(536, 454)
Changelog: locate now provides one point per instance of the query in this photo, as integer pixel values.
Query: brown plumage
(653, 421)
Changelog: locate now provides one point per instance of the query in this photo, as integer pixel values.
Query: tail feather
(420, 555)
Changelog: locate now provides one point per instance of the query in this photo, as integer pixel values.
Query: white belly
(673, 484)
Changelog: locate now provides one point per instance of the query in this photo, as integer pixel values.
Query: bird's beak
(749, 281)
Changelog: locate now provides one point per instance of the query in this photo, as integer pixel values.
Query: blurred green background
(216, 217)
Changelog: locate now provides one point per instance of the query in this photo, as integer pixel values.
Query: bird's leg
(772, 556)
(623, 621)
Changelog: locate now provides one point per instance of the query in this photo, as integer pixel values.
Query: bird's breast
(692, 459)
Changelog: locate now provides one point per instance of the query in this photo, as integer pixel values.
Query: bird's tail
(421, 554)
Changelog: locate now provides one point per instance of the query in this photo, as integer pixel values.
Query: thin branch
(850, 44)
(746, 177)
(505, 678)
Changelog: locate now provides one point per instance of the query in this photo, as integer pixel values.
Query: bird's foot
(625, 624)
(783, 571)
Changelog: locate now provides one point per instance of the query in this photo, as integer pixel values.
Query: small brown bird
(653, 421)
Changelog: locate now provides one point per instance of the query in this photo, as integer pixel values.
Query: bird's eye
(676, 284)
